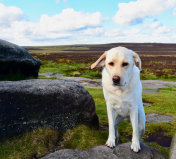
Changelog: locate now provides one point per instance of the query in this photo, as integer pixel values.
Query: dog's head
(119, 63)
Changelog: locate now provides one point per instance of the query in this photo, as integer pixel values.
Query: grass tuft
(69, 69)
(34, 144)
(84, 137)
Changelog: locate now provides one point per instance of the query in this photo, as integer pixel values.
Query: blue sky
(58, 22)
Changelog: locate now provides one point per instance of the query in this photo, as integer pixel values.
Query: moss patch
(83, 137)
(31, 145)
(162, 103)
(69, 69)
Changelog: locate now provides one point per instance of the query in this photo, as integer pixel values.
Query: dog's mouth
(116, 84)
(119, 85)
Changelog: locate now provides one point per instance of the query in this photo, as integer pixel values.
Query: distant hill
(141, 48)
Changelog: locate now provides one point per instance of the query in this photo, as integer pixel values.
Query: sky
(66, 22)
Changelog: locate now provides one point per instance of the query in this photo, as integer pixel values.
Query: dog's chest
(122, 108)
(121, 105)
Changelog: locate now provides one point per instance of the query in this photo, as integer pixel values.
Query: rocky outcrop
(57, 104)
(173, 148)
(15, 60)
(122, 151)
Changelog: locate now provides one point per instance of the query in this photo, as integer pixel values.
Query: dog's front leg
(111, 119)
(135, 146)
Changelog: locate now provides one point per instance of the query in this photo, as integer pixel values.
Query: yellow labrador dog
(122, 90)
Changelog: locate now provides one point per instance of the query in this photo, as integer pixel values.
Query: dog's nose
(116, 79)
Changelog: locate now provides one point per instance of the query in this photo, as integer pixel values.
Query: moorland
(158, 62)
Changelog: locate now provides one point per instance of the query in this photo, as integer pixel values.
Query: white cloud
(135, 12)
(174, 13)
(93, 31)
(114, 33)
(69, 20)
(163, 30)
(73, 27)
(153, 25)
(66, 24)
(157, 27)
(57, 1)
(8, 15)
(151, 32)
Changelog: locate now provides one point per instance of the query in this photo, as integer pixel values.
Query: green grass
(31, 145)
(69, 69)
(163, 102)
(84, 137)
(164, 150)
(100, 103)
(146, 75)
(13, 77)
(57, 49)
(43, 77)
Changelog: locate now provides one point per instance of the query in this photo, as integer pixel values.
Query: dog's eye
(111, 63)
(124, 64)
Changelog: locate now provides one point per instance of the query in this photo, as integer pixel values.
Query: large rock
(16, 60)
(58, 104)
(122, 151)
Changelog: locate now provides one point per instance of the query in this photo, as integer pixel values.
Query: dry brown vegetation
(157, 58)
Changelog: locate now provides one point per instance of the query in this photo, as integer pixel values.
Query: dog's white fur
(126, 98)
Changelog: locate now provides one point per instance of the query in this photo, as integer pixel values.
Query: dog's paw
(135, 146)
(110, 143)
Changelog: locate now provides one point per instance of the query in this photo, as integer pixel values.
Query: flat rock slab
(122, 151)
(57, 104)
(158, 118)
(149, 91)
(86, 82)
(157, 84)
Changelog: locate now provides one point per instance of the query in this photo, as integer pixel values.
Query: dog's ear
(137, 61)
(100, 62)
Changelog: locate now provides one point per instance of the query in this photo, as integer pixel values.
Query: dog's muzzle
(116, 80)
